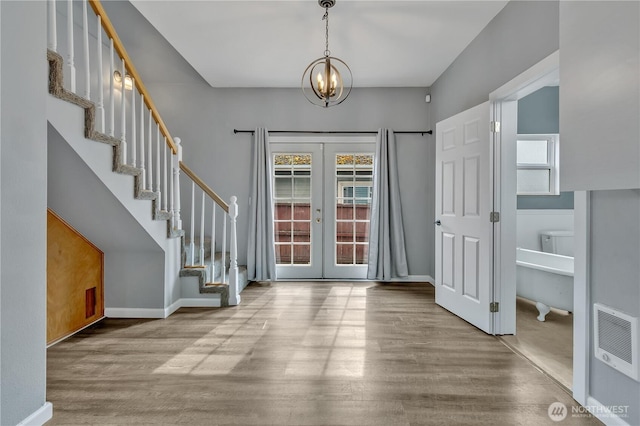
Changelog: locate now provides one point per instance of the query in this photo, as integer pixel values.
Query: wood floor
(547, 344)
(300, 354)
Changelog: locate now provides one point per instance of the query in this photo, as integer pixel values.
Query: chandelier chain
(327, 52)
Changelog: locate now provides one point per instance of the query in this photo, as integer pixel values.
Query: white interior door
(464, 231)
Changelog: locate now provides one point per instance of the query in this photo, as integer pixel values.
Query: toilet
(557, 242)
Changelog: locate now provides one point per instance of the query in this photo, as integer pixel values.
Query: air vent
(615, 339)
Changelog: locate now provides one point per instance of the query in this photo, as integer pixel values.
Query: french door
(322, 202)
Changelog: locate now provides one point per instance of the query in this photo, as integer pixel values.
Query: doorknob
(437, 222)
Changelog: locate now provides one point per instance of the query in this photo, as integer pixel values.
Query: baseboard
(39, 417)
(200, 303)
(134, 313)
(605, 414)
(161, 313)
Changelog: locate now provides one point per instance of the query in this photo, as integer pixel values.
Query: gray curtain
(387, 254)
(261, 255)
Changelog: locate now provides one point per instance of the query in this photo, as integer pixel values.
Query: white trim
(543, 212)
(134, 313)
(200, 303)
(39, 417)
(603, 413)
(544, 73)
(210, 302)
(581, 295)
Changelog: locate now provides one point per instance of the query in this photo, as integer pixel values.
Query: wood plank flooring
(300, 354)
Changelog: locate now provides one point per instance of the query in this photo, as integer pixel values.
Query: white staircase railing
(146, 148)
(229, 215)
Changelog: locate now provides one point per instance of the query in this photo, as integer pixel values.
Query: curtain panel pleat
(387, 252)
(261, 256)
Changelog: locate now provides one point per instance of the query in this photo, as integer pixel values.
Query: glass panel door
(348, 192)
(297, 208)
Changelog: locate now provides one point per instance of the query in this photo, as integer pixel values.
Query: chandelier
(327, 81)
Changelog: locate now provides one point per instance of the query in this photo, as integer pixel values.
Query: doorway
(322, 202)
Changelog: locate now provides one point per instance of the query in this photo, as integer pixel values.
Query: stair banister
(192, 244)
(85, 48)
(53, 27)
(100, 102)
(70, 55)
(234, 294)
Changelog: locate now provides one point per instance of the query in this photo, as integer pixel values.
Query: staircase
(205, 280)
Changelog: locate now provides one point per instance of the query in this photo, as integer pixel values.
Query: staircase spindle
(70, 57)
(112, 92)
(150, 154)
(192, 245)
(123, 117)
(100, 102)
(143, 175)
(202, 211)
(223, 268)
(53, 29)
(85, 45)
(213, 239)
(157, 180)
(171, 195)
(133, 123)
(234, 291)
(177, 221)
(165, 189)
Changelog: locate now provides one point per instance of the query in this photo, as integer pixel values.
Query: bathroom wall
(538, 114)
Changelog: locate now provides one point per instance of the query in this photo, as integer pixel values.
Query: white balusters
(85, 50)
(213, 239)
(123, 116)
(52, 39)
(156, 187)
(100, 101)
(165, 189)
(143, 174)
(112, 92)
(133, 123)
(150, 155)
(202, 230)
(171, 194)
(177, 158)
(223, 256)
(192, 245)
(70, 56)
(234, 291)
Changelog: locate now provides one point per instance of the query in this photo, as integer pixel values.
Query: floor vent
(616, 339)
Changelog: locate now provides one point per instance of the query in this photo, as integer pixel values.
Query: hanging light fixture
(327, 81)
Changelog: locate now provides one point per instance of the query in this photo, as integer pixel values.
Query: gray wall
(521, 35)
(23, 201)
(538, 114)
(204, 118)
(615, 268)
(599, 109)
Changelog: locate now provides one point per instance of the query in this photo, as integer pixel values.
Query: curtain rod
(421, 132)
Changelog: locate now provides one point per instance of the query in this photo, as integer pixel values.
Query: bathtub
(545, 278)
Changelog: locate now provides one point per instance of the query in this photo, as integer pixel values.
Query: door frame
(328, 140)
(504, 110)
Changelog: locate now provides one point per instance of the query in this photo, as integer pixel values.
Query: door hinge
(494, 217)
(494, 307)
(495, 126)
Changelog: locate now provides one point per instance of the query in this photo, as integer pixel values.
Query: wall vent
(616, 339)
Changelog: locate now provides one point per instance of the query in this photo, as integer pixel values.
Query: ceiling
(269, 43)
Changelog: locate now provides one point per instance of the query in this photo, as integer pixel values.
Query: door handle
(437, 222)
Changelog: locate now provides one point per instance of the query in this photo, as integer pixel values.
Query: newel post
(176, 221)
(234, 291)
